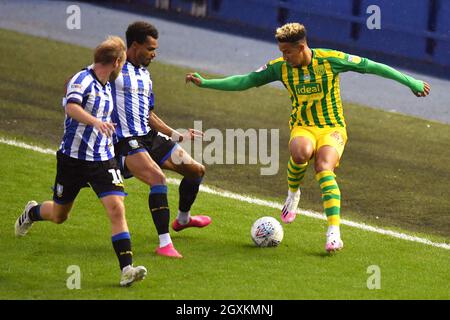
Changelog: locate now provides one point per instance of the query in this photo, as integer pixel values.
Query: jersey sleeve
(260, 77)
(270, 72)
(151, 101)
(150, 94)
(343, 62)
(76, 89)
(388, 72)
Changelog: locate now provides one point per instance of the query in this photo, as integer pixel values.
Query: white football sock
(164, 240)
(335, 230)
(183, 217)
(293, 194)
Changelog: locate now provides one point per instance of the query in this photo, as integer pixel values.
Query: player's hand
(195, 78)
(425, 92)
(191, 134)
(106, 128)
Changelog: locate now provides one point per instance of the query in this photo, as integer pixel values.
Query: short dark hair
(138, 31)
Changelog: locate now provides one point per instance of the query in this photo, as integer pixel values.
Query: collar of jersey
(139, 67)
(91, 70)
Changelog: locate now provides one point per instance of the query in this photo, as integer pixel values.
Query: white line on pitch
(264, 203)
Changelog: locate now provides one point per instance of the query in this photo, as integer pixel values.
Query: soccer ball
(267, 232)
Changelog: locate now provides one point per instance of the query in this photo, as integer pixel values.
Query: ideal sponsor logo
(309, 88)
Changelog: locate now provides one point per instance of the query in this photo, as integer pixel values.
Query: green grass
(220, 261)
(394, 172)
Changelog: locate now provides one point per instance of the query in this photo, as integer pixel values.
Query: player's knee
(60, 213)
(157, 179)
(199, 171)
(117, 211)
(300, 158)
(195, 171)
(320, 166)
(58, 219)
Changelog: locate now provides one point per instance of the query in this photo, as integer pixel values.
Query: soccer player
(86, 157)
(143, 151)
(317, 123)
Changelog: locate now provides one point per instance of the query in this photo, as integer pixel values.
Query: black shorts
(73, 174)
(158, 147)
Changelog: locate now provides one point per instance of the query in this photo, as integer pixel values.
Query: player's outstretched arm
(159, 125)
(231, 83)
(425, 92)
(418, 87)
(195, 78)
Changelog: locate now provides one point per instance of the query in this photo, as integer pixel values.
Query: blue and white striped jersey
(133, 100)
(81, 141)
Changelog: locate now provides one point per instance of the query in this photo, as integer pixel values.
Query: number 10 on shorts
(117, 177)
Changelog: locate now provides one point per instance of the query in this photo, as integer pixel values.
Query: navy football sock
(122, 246)
(158, 204)
(188, 192)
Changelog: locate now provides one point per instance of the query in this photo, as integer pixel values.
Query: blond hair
(110, 50)
(291, 32)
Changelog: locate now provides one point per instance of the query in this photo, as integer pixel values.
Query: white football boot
(289, 211)
(132, 274)
(23, 222)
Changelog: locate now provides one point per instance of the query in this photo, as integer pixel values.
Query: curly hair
(138, 31)
(291, 32)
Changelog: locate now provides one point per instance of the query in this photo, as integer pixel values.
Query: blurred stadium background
(420, 29)
(231, 36)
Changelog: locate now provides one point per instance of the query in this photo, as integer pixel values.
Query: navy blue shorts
(104, 177)
(159, 148)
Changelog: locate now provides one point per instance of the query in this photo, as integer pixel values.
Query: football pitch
(220, 261)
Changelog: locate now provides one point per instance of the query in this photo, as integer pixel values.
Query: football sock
(331, 196)
(164, 240)
(35, 213)
(295, 174)
(183, 217)
(188, 191)
(158, 204)
(122, 246)
(334, 229)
